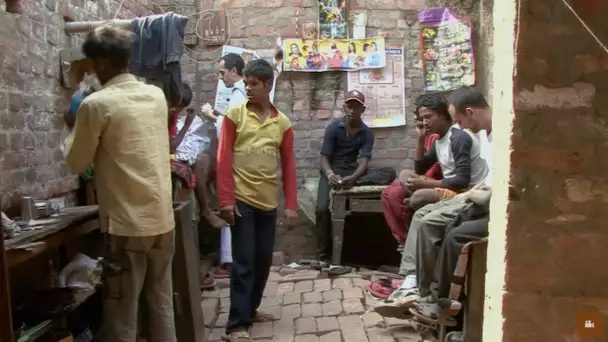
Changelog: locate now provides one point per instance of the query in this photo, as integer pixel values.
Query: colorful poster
(333, 23)
(447, 51)
(222, 94)
(324, 55)
(384, 90)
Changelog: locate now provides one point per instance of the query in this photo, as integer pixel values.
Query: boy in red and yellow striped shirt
(253, 135)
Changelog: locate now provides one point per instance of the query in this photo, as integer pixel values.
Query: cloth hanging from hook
(156, 52)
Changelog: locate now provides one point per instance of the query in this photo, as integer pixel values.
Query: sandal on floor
(208, 282)
(238, 336)
(398, 306)
(431, 313)
(381, 288)
(221, 272)
(262, 317)
(338, 270)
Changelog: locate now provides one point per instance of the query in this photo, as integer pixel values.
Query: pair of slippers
(383, 288)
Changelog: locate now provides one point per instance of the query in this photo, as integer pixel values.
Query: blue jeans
(253, 237)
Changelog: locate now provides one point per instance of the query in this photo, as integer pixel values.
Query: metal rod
(86, 26)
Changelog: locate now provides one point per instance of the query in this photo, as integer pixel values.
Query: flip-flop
(431, 313)
(239, 336)
(398, 306)
(381, 288)
(338, 270)
(221, 272)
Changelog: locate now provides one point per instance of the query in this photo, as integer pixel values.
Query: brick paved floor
(310, 309)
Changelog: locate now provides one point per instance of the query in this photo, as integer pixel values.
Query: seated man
(395, 203)
(191, 161)
(347, 148)
(469, 108)
(429, 223)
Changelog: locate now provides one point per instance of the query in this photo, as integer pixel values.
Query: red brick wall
(32, 101)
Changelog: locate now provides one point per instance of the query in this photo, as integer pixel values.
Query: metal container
(28, 208)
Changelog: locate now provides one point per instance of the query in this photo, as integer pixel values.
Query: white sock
(409, 283)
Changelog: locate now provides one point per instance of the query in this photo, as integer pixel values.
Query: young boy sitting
(253, 134)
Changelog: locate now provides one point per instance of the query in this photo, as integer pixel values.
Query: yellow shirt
(122, 129)
(247, 167)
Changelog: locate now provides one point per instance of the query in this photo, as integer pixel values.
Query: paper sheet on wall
(223, 93)
(384, 90)
(447, 50)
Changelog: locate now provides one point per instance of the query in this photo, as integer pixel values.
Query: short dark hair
(108, 43)
(434, 101)
(464, 97)
(186, 95)
(260, 69)
(233, 60)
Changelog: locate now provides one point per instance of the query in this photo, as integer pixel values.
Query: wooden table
(71, 223)
(360, 199)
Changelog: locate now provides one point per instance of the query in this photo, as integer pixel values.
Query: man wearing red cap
(347, 148)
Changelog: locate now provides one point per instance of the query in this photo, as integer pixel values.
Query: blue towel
(77, 99)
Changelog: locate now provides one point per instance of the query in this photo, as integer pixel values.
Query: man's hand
(348, 181)
(214, 220)
(207, 112)
(291, 218)
(414, 184)
(228, 213)
(334, 179)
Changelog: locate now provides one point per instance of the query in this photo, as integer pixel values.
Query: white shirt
(485, 142)
(238, 96)
(194, 141)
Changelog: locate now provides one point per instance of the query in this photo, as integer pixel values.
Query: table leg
(338, 216)
(337, 230)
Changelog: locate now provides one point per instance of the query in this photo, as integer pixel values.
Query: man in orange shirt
(253, 134)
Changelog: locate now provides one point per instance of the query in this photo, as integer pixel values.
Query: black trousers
(464, 229)
(323, 213)
(253, 238)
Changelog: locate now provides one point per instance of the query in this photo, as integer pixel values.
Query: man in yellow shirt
(253, 135)
(122, 129)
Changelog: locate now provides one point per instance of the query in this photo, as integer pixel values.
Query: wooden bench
(359, 199)
(474, 293)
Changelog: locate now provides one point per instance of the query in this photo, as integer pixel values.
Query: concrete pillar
(548, 250)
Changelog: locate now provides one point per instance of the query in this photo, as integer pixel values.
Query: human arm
(424, 160)
(435, 171)
(174, 142)
(82, 143)
(224, 170)
(365, 155)
(460, 144)
(327, 151)
(288, 165)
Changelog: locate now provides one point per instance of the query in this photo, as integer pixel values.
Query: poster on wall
(447, 51)
(384, 90)
(333, 23)
(223, 93)
(339, 54)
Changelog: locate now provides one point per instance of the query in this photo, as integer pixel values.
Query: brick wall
(312, 100)
(32, 101)
(545, 277)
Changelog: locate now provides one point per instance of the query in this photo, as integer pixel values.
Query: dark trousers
(252, 245)
(460, 232)
(323, 219)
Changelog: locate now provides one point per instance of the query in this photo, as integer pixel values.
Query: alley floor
(310, 308)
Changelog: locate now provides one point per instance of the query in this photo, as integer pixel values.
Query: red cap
(355, 95)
